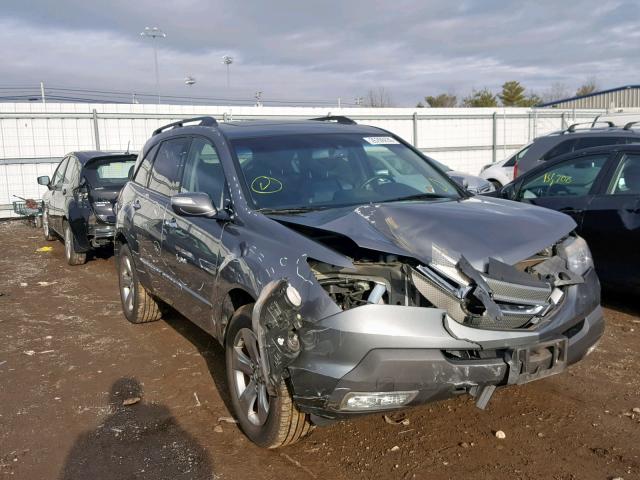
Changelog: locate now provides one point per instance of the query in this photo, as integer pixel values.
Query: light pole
(154, 33)
(227, 60)
(190, 81)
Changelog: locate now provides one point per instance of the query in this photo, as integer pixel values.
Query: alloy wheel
(126, 284)
(250, 386)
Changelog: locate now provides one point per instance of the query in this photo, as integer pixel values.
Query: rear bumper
(380, 348)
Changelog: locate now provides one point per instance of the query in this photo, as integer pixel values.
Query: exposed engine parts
(502, 297)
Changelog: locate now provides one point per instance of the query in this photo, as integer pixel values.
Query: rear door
(190, 246)
(164, 179)
(611, 224)
(566, 186)
(56, 200)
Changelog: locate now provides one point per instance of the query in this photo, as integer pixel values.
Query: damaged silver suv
(344, 273)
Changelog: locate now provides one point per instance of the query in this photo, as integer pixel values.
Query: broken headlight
(577, 254)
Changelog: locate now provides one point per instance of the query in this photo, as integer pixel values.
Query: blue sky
(321, 49)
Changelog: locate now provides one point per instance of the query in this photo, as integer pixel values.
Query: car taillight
(515, 171)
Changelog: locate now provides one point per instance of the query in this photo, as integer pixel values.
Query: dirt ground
(69, 359)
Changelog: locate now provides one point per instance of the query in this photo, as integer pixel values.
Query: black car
(600, 189)
(577, 137)
(340, 286)
(79, 204)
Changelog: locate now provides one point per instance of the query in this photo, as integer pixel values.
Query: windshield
(112, 172)
(442, 166)
(327, 170)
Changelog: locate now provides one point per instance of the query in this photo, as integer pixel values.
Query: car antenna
(128, 143)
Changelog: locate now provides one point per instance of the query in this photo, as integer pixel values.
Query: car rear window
(108, 172)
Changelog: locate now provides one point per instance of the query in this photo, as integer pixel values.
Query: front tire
(137, 304)
(496, 184)
(268, 421)
(73, 257)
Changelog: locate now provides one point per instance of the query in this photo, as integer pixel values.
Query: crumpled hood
(477, 227)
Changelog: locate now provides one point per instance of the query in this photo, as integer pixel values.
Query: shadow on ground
(136, 441)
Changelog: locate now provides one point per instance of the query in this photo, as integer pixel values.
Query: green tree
(530, 101)
(587, 87)
(512, 94)
(481, 98)
(444, 100)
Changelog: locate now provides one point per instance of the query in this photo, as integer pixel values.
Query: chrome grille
(521, 305)
(517, 293)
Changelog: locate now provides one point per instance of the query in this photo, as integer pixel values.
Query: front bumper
(385, 348)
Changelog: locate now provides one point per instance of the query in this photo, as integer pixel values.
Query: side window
(560, 149)
(587, 142)
(71, 174)
(142, 175)
(166, 167)
(515, 158)
(573, 178)
(203, 171)
(626, 180)
(59, 173)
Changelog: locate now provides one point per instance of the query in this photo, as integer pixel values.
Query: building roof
(594, 94)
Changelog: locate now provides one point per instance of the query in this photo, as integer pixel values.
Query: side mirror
(45, 180)
(509, 191)
(196, 204)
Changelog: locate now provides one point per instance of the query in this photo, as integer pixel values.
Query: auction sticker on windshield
(381, 140)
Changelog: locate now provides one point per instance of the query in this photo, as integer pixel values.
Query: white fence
(33, 137)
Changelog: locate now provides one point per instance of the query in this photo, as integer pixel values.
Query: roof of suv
(595, 131)
(85, 156)
(265, 128)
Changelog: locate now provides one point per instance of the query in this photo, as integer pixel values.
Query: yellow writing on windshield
(265, 185)
(553, 178)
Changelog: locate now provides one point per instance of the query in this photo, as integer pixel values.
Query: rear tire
(269, 422)
(48, 234)
(73, 257)
(496, 184)
(138, 305)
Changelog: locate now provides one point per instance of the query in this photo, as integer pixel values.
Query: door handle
(171, 223)
(136, 205)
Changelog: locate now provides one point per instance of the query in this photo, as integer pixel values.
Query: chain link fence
(34, 137)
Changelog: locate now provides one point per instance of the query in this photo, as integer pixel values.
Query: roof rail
(336, 118)
(572, 128)
(204, 122)
(630, 125)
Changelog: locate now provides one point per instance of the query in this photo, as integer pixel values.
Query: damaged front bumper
(425, 355)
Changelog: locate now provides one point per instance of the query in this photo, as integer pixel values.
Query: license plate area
(537, 361)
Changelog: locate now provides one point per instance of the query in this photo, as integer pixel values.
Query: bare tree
(589, 86)
(557, 91)
(378, 97)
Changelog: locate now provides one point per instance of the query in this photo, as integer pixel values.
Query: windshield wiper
(419, 196)
(289, 211)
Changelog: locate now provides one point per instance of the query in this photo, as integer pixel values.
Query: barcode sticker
(381, 140)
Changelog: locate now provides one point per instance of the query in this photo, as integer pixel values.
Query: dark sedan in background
(79, 204)
(600, 188)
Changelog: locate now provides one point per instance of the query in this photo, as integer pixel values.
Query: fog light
(356, 401)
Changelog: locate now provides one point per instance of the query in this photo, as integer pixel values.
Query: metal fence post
(494, 141)
(96, 132)
(415, 129)
(563, 121)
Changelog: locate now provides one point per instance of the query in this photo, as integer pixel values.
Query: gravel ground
(69, 359)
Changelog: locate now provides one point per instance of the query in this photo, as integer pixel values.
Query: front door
(612, 225)
(190, 247)
(567, 186)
